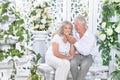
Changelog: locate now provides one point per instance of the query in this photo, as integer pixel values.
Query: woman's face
(67, 29)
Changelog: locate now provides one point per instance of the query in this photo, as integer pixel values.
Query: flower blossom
(117, 29)
(103, 25)
(102, 37)
(109, 31)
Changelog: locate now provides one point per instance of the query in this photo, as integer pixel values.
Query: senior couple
(70, 49)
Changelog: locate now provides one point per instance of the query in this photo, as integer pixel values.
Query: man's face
(76, 25)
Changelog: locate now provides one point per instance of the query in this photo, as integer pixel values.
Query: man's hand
(71, 39)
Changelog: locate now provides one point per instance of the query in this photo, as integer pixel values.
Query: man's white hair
(81, 20)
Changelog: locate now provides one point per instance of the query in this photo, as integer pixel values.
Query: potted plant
(40, 20)
(40, 17)
(108, 31)
(15, 31)
(33, 69)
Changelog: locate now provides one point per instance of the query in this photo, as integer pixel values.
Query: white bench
(95, 72)
(99, 72)
(47, 71)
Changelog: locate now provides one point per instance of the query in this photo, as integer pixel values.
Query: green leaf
(3, 11)
(5, 18)
(1, 55)
(38, 57)
(5, 5)
(33, 13)
(7, 54)
(21, 38)
(22, 47)
(20, 22)
(19, 32)
(1, 36)
(106, 56)
(33, 52)
(15, 52)
(13, 11)
(116, 75)
(10, 31)
(17, 14)
(106, 1)
(28, 36)
(34, 59)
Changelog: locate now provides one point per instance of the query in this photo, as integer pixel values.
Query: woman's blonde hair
(64, 23)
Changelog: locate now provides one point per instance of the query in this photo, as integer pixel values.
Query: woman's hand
(71, 39)
(72, 51)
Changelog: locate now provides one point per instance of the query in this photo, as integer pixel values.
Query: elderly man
(84, 42)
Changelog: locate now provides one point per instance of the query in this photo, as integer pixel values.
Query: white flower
(18, 8)
(50, 24)
(38, 11)
(46, 10)
(117, 29)
(38, 15)
(43, 15)
(34, 18)
(10, 36)
(42, 26)
(29, 5)
(109, 31)
(37, 26)
(35, 3)
(43, 5)
(97, 33)
(43, 21)
(49, 17)
(103, 25)
(41, 18)
(113, 26)
(102, 37)
(109, 44)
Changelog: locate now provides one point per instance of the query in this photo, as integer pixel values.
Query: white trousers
(62, 66)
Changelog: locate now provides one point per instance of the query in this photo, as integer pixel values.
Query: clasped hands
(71, 39)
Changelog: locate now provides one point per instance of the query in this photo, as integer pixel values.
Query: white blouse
(64, 48)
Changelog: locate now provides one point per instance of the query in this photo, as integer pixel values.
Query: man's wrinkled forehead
(75, 21)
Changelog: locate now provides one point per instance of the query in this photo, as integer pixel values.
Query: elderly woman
(61, 51)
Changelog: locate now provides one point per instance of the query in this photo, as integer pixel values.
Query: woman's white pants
(62, 66)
